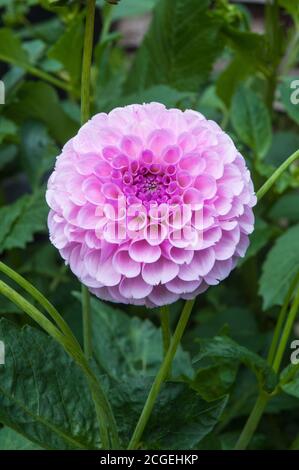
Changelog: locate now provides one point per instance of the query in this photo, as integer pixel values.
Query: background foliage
(202, 55)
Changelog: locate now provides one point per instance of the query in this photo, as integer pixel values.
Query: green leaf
(286, 208)
(280, 268)
(49, 403)
(159, 93)
(222, 347)
(128, 346)
(192, 420)
(251, 47)
(39, 101)
(21, 220)
(11, 49)
(228, 81)
(284, 143)
(288, 89)
(179, 48)
(260, 237)
(214, 381)
(68, 49)
(38, 150)
(12, 440)
(251, 120)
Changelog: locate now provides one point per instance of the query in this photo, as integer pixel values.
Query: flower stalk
(161, 375)
(85, 115)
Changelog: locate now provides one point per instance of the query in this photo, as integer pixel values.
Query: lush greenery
(196, 54)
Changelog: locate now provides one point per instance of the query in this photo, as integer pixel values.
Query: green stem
(286, 333)
(85, 115)
(252, 422)
(263, 398)
(161, 375)
(165, 326)
(87, 61)
(41, 74)
(277, 173)
(281, 319)
(41, 299)
(86, 317)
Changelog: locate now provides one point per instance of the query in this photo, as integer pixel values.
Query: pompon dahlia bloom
(149, 205)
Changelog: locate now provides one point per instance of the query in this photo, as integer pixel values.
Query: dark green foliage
(196, 54)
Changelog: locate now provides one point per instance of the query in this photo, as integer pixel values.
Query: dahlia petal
(135, 288)
(162, 271)
(142, 251)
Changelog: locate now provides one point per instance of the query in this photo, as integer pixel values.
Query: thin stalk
(286, 333)
(277, 173)
(42, 74)
(165, 327)
(263, 398)
(42, 300)
(252, 422)
(161, 375)
(281, 319)
(85, 115)
(87, 61)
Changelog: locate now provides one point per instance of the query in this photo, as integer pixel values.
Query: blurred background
(233, 61)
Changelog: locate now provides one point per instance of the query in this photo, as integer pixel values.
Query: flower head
(149, 205)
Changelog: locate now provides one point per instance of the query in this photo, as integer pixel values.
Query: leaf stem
(42, 75)
(252, 422)
(41, 299)
(165, 326)
(161, 375)
(85, 115)
(277, 173)
(87, 61)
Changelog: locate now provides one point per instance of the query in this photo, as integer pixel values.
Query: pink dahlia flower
(149, 205)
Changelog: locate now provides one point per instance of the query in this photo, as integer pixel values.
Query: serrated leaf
(193, 419)
(21, 220)
(214, 381)
(39, 101)
(251, 120)
(222, 347)
(280, 268)
(288, 89)
(43, 395)
(127, 346)
(179, 48)
(12, 440)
